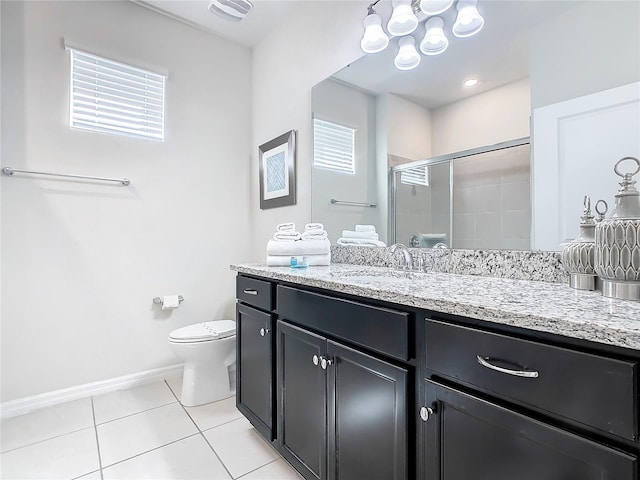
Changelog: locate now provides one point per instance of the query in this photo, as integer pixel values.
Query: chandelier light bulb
(434, 41)
(403, 21)
(469, 21)
(374, 39)
(435, 7)
(408, 57)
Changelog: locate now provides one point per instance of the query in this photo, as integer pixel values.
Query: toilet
(208, 351)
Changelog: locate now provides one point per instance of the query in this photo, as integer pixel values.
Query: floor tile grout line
(201, 434)
(95, 429)
(132, 414)
(46, 439)
(149, 451)
(88, 473)
(257, 468)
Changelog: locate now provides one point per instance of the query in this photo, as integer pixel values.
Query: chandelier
(404, 22)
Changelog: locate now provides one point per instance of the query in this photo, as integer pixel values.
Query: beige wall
(339, 103)
(81, 262)
(599, 51)
(499, 115)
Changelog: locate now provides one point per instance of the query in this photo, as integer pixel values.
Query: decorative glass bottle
(617, 252)
(578, 255)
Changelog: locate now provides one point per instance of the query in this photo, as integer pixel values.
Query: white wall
(491, 117)
(598, 52)
(81, 262)
(313, 44)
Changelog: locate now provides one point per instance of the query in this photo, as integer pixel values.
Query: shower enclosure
(475, 199)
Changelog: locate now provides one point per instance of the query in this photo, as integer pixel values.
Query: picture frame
(277, 171)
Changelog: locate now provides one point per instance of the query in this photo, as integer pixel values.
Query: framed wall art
(277, 171)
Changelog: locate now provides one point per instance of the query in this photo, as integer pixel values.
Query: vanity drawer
(379, 329)
(593, 390)
(254, 292)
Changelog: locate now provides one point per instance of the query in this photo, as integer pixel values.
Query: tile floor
(139, 433)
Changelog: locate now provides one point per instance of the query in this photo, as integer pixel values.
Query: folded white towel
(283, 227)
(314, 226)
(361, 242)
(365, 228)
(287, 236)
(302, 247)
(314, 234)
(285, 260)
(352, 234)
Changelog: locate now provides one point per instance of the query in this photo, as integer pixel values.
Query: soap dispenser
(578, 255)
(617, 253)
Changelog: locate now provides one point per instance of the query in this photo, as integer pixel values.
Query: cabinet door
(469, 438)
(367, 416)
(302, 400)
(255, 374)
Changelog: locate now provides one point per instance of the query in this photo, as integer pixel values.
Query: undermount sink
(381, 275)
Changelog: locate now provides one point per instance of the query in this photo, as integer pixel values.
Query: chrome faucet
(408, 259)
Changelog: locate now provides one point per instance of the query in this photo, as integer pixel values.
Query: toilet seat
(204, 332)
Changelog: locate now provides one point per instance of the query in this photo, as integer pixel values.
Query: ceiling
(496, 56)
(263, 18)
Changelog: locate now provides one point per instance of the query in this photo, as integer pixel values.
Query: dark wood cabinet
(255, 372)
(302, 400)
(469, 438)
(348, 388)
(367, 416)
(342, 413)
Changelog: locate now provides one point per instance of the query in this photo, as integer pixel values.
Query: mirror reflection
(531, 57)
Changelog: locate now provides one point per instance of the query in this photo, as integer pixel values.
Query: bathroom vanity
(357, 372)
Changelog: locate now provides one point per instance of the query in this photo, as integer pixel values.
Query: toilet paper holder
(158, 300)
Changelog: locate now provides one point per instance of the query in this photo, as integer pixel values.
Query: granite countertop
(547, 307)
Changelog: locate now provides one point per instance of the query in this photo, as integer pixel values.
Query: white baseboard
(29, 404)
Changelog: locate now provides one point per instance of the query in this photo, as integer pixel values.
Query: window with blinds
(111, 97)
(333, 146)
(415, 176)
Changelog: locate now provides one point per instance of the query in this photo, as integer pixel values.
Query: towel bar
(10, 171)
(355, 204)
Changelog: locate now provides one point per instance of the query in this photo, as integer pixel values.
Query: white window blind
(111, 97)
(333, 146)
(415, 176)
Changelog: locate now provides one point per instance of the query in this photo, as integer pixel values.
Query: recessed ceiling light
(472, 82)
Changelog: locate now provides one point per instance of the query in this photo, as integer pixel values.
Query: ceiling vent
(234, 10)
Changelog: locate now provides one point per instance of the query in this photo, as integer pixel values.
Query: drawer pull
(315, 359)
(517, 373)
(250, 291)
(263, 331)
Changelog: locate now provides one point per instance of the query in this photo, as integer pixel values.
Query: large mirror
(500, 165)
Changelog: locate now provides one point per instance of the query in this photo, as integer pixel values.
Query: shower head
(234, 10)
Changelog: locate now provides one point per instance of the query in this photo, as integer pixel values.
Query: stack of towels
(313, 243)
(363, 235)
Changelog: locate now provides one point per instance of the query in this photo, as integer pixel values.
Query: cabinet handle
(315, 359)
(250, 291)
(517, 373)
(325, 362)
(425, 413)
(263, 331)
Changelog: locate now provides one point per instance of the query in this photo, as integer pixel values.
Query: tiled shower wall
(492, 200)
